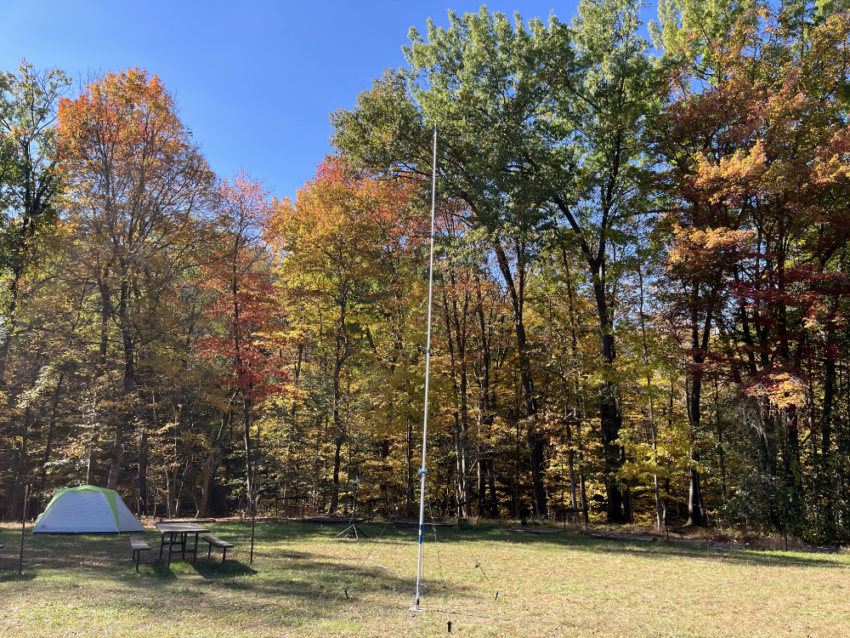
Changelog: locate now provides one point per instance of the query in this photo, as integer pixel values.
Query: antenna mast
(422, 471)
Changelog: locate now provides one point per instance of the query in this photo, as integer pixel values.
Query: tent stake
(23, 529)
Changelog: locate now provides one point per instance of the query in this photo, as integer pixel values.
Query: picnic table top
(176, 528)
(640, 538)
(333, 520)
(535, 530)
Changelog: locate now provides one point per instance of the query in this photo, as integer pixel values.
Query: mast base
(415, 607)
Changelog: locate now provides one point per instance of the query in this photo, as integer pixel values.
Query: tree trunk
(794, 472)
(696, 516)
(610, 418)
(481, 467)
(659, 514)
(193, 485)
(337, 459)
(210, 464)
(628, 511)
(570, 460)
(51, 428)
(125, 414)
(535, 451)
(246, 438)
(584, 507)
(409, 492)
(171, 480)
(340, 356)
(317, 465)
(461, 480)
(142, 478)
(7, 338)
(535, 445)
(21, 476)
(491, 482)
(486, 407)
(456, 321)
(117, 451)
(91, 462)
(826, 457)
(695, 513)
(463, 446)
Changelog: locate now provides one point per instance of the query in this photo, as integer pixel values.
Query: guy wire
(347, 586)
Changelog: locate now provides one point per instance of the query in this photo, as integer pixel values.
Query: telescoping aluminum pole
(415, 606)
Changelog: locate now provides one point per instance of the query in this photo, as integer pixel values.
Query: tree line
(640, 294)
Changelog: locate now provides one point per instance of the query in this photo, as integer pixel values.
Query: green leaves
(385, 129)
(30, 176)
(487, 85)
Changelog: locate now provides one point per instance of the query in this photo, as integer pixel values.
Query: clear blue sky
(254, 80)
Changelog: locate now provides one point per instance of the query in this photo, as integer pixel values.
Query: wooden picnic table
(182, 532)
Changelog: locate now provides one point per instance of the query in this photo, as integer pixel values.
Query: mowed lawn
(303, 582)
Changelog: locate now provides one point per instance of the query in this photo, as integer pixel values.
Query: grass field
(549, 585)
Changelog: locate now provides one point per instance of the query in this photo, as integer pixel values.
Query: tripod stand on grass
(352, 530)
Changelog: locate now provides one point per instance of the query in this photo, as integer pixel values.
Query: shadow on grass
(211, 569)
(106, 554)
(14, 577)
(665, 550)
(659, 549)
(324, 578)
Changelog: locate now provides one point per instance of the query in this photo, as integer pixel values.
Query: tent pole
(253, 523)
(415, 606)
(23, 529)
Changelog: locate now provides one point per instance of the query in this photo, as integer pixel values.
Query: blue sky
(254, 80)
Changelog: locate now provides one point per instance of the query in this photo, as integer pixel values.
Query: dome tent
(86, 510)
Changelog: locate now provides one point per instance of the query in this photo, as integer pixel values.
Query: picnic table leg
(170, 545)
(195, 552)
(161, 545)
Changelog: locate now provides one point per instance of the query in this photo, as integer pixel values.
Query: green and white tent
(86, 510)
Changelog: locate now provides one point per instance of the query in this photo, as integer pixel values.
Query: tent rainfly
(86, 510)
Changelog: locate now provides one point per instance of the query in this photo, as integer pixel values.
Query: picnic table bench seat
(214, 541)
(138, 545)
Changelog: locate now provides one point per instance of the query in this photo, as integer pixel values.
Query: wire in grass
(483, 573)
(350, 584)
(450, 613)
(436, 544)
(479, 567)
